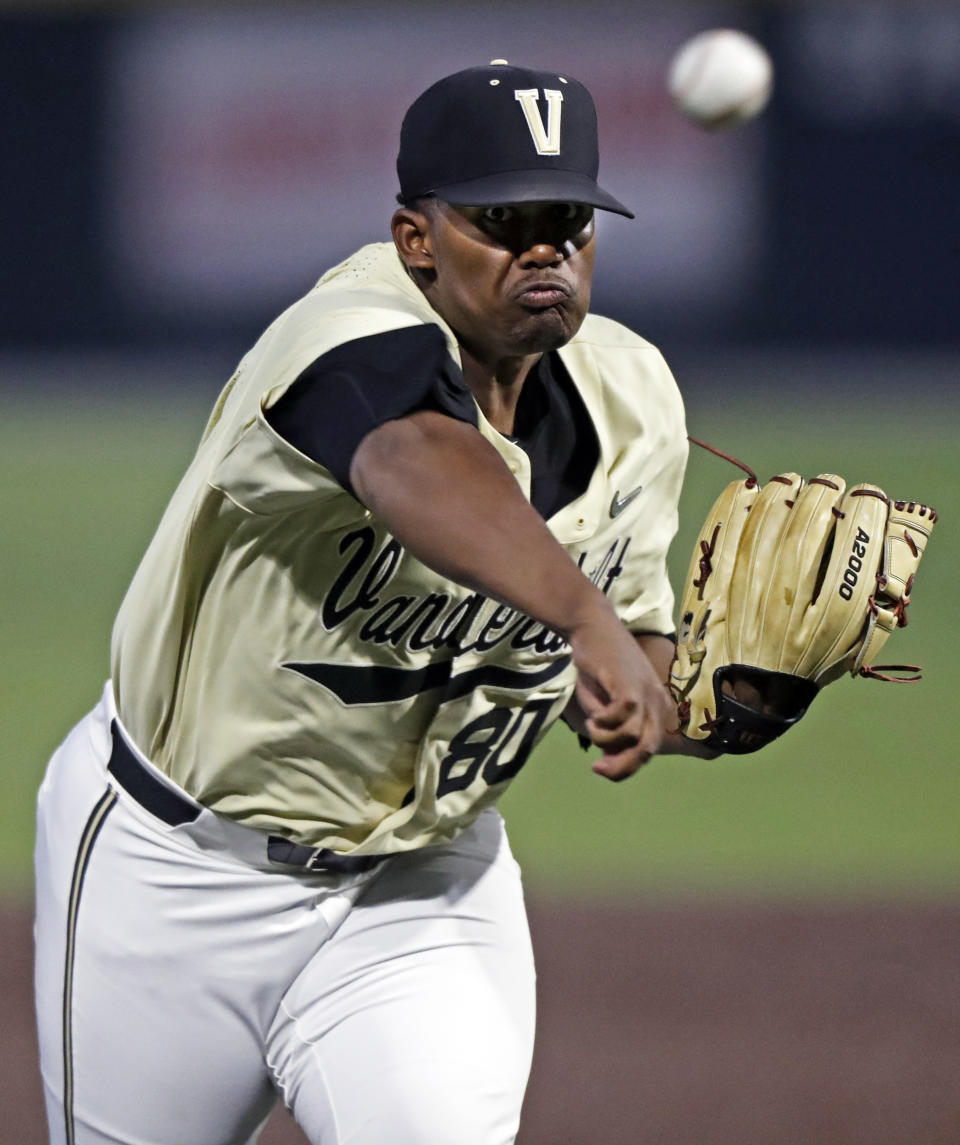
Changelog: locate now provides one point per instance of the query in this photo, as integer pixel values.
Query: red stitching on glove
(706, 568)
(711, 723)
(873, 672)
(900, 608)
(751, 476)
(683, 714)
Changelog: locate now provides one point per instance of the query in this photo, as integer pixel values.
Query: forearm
(448, 497)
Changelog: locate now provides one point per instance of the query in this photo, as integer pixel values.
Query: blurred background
(173, 175)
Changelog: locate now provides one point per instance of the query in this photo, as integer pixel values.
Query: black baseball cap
(501, 134)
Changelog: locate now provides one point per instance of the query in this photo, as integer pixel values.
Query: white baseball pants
(183, 981)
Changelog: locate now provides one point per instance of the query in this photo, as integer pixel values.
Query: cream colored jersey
(289, 665)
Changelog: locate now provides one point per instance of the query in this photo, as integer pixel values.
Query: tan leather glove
(790, 586)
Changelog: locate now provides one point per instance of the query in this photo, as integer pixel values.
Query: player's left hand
(790, 586)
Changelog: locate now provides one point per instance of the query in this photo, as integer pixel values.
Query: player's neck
(497, 385)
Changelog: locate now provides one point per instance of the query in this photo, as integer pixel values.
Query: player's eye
(497, 215)
(573, 216)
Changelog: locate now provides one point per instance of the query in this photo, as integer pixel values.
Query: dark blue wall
(864, 218)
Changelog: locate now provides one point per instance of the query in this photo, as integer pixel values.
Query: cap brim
(530, 187)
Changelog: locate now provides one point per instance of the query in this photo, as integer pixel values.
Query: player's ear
(411, 236)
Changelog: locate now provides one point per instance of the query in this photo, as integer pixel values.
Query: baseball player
(428, 516)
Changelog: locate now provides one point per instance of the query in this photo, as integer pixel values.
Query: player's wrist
(584, 612)
(676, 743)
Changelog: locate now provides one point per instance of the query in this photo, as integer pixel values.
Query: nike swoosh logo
(618, 504)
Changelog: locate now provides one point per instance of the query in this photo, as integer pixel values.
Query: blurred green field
(861, 799)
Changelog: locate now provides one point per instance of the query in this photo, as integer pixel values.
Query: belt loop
(283, 851)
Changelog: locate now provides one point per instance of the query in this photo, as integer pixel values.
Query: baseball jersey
(287, 663)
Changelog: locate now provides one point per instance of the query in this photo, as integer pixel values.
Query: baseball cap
(502, 134)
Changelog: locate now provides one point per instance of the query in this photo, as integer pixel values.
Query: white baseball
(721, 78)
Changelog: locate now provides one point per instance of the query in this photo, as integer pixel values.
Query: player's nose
(541, 254)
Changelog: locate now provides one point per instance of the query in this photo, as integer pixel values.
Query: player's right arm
(449, 499)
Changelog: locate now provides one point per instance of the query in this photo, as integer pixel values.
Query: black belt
(280, 850)
(174, 810)
(148, 791)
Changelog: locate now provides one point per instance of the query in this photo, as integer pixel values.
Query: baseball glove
(790, 586)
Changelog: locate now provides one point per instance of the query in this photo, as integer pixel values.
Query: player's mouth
(541, 294)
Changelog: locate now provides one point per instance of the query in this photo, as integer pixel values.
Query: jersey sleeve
(357, 386)
(299, 436)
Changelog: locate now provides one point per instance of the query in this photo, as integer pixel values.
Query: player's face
(511, 280)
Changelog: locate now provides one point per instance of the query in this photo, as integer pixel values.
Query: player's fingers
(616, 729)
(643, 735)
(621, 765)
(652, 735)
(658, 707)
(744, 692)
(613, 740)
(616, 713)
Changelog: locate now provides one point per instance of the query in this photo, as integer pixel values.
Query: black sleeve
(347, 392)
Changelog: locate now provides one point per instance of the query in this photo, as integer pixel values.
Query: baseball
(721, 78)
